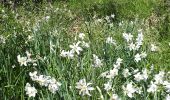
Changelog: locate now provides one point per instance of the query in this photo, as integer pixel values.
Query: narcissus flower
(159, 78)
(97, 61)
(30, 91)
(81, 35)
(114, 97)
(84, 87)
(76, 48)
(167, 86)
(126, 72)
(153, 47)
(138, 76)
(152, 88)
(108, 86)
(110, 40)
(53, 85)
(22, 60)
(168, 97)
(112, 73)
(137, 57)
(127, 36)
(129, 90)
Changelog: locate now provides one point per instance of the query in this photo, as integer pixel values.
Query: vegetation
(85, 49)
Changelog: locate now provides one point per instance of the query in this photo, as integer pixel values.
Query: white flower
(138, 76)
(22, 60)
(29, 59)
(139, 90)
(69, 54)
(47, 18)
(97, 61)
(128, 36)
(139, 39)
(108, 86)
(143, 55)
(112, 73)
(129, 90)
(126, 72)
(159, 77)
(107, 18)
(76, 48)
(168, 97)
(2, 39)
(46, 81)
(13, 66)
(116, 66)
(145, 74)
(34, 64)
(152, 67)
(114, 97)
(110, 40)
(132, 46)
(2, 11)
(137, 57)
(84, 87)
(43, 80)
(167, 86)
(30, 37)
(121, 23)
(153, 47)
(33, 75)
(53, 87)
(135, 71)
(119, 61)
(30, 91)
(152, 88)
(28, 54)
(113, 16)
(81, 35)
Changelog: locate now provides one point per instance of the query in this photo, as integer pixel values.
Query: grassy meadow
(85, 50)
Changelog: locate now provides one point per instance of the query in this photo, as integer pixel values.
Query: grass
(66, 20)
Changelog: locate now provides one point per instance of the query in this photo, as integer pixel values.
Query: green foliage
(123, 9)
(56, 27)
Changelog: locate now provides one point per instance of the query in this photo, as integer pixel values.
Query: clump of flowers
(76, 48)
(113, 72)
(26, 59)
(129, 39)
(46, 81)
